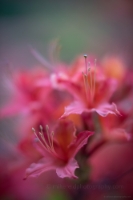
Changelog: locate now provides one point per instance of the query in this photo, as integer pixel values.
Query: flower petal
(35, 169)
(10, 110)
(68, 170)
(118, 135)
(82, 139)
(105, 109)
(64, 133)
(76, 107)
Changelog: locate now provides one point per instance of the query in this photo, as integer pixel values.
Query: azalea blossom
(116, 128)
(27, 93)
(113, 67)
(58, 148)
(71, 72)
(92, 93)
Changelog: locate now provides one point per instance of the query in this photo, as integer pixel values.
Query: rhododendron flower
(113, 67)
(91, 94)
(115, 128)
(72, 72)
(27, 93)
(59, 148)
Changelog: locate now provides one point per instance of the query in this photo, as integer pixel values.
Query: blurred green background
(98, 27)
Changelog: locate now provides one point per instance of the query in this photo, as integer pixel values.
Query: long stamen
(39, 138)
(48, 135)
(89, 81)
(47, 145)
(85, 77)
(42, 140)
(86, 84)
(85, 56)
(42, 136)
(50, 139)
(52, 135)
(34, 131)
(93, 81)
(94, 78)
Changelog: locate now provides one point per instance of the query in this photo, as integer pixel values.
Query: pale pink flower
(59, 148)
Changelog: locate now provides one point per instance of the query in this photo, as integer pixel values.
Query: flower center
(47, 143)
(89, 81)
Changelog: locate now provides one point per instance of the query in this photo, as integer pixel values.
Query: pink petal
(65, 128)
(82, 139)
(68, 170)
(63, 82)
(10, 110)
(119, 135)
(36, 169)
(42, 150)
(76, 107)
(105, 109)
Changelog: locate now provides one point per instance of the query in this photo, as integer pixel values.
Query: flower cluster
(76, 102)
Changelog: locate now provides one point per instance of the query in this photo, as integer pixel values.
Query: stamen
(94, 77)
(41, 134)
(48, 135)
(89, 68)
(85, 56)
(41, 128)
(89, 81)
(47, 128)
(52, 135)
(34, 131)
(47, 145)
(86, 85)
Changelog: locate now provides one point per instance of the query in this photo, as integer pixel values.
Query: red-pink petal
(10, 110)
(65, 129)
(63, 82)
(35, 169)
(119, 134)
(82, 139)
(68, 170)
(105, 109)
(76, 107)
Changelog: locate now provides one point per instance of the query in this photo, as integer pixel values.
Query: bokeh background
(89, 26)
(97, 27)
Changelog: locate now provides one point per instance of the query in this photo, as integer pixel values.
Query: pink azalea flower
(91, 94)
(113, 67)
(59, 148)
(67, 73)
(116, 128)
(28, 94)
